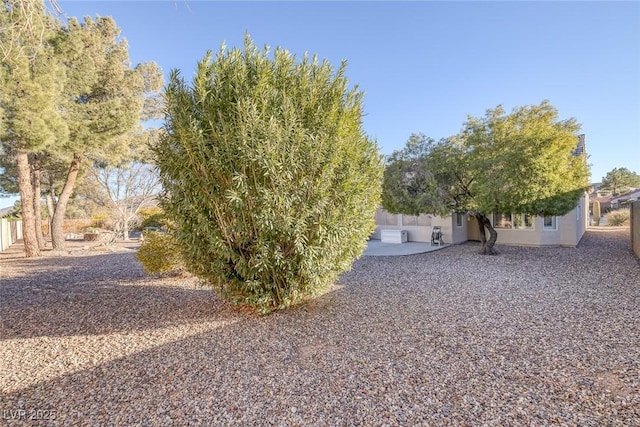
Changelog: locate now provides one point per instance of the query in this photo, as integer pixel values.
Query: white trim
(553, 227)
(512, 222)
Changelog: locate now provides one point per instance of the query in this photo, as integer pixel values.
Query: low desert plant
(596, 212)
(99, 220)
(618, 217)
(159, 254)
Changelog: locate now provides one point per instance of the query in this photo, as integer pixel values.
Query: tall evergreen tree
(103, 97)
(619, 180)
(30, 88)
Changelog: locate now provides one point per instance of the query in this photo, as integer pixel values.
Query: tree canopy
(619, 180)
(524, 162)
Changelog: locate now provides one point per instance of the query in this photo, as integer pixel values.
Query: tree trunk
(487, 245)
(50, 197)
(483, 235)
(57, 234)
(125, 231)
(29, 237)
(36, 202)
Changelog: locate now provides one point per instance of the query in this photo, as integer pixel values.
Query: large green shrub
(618, 217)
(271, 183)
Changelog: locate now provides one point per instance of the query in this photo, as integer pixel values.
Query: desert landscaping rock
(533, 336)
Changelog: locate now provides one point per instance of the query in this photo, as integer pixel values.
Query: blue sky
(425, 66)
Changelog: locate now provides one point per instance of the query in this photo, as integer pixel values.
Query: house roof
(633, 194)
(603, 199)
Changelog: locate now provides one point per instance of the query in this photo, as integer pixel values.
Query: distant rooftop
(582, 146)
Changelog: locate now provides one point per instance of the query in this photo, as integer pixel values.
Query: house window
(391, 219)
(385, 218)
(501, 220)
(578, 211)
(522, 221)
(513, 221)
(550, 223)
(459, 219)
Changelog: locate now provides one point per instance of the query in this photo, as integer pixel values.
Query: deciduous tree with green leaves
(271, 183)
(619, 181)
(520, 163)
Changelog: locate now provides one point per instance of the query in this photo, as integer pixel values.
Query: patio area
(378, 248)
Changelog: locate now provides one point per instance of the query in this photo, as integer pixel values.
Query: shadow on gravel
(550, 338)
(97, 294)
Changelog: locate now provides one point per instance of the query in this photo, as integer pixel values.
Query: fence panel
(635, 228)
(10, 232)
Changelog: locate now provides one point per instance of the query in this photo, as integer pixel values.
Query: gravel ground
(532, 337)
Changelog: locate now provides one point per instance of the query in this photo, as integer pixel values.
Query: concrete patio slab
(378, 248)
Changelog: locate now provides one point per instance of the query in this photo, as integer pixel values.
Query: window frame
(510, 219)
(554, 223)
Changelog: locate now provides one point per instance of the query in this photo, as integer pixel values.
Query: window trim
(512, 222)
(553, 227)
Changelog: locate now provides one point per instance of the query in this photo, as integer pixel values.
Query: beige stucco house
(521, 230)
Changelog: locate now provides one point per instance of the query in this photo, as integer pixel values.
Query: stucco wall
(460, 233)
(422, 232)
(635, 228)
(569, 228)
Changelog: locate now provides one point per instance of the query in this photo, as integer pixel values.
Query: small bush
(159, 254)
(619, 217)
(152, 217)
(99, 220)
(596, 212)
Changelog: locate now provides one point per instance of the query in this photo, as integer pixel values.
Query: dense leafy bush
(618, 217)
(152, 217)
(159, 254)
(271, 183)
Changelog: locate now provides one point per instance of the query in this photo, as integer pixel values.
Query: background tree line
(69, 98)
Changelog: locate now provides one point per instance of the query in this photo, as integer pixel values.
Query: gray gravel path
(532, 337)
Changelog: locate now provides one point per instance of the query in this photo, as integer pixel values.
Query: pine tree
(30, 89)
